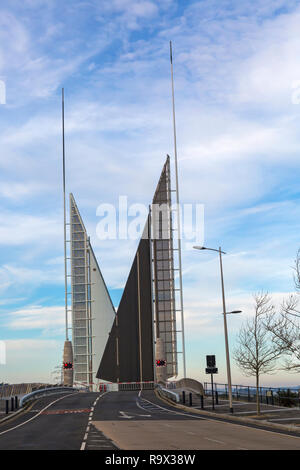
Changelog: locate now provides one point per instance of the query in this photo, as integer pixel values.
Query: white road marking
(89, 422)
(284, 419)
(214, 440)
(265, 411)
(171, 411)
(125, 415)
(42, 410)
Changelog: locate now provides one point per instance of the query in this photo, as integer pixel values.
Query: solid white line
(43, 409)
(214, 440)
(283, 419)
(264, 411)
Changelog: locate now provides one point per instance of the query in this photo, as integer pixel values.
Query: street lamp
(225, 322)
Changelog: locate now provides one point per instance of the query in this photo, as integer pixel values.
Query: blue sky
(235, 65)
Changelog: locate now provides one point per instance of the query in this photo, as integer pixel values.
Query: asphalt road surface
(125, 420)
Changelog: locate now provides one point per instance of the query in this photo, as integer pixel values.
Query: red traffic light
(161, 362)
(68, 365)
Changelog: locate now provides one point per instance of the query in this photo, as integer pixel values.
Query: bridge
(129, 420)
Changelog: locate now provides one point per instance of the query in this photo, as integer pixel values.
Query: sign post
(211, 369)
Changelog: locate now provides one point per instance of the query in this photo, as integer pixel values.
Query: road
(125, 420)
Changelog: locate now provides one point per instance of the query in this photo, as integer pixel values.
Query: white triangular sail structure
(92, 310)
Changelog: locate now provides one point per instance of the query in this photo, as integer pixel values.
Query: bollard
(12, 404)
(6, 407)
(191, 399)
(16, 402)
(217, 397)
(183, 397)
(201, 402)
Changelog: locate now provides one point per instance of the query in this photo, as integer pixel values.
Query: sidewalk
(271, 413)
(279, 417)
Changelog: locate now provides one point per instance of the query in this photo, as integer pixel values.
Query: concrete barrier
(191, 385)
(168, 393)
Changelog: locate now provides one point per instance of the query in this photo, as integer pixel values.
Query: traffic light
(161, 362)
(68, 365)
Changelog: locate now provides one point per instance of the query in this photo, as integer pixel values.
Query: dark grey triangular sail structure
(147, 309)
(128, 356)
(163, 269)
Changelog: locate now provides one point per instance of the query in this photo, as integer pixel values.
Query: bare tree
(297, 271)
(285, 326)
(257, 352)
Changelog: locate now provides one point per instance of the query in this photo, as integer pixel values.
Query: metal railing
(45, 392)
(279, 396)
(122, 386)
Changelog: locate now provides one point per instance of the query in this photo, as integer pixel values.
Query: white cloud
(22, 229)
(37, 317)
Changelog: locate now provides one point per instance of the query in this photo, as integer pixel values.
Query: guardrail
(43, 392)
(167, 393)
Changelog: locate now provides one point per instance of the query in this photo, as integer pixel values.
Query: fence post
(6, 407)
(201, 402)
(183, 397)
(16, 402)
(217, 397)
(248, 393)
(12, 403)
(191, 399)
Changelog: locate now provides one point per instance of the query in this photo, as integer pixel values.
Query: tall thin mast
(178, 215)
(65, 221)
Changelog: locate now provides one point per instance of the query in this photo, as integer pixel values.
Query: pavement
(114, 421)
(244, 409)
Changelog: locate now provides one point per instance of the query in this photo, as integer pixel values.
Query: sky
(237, 94)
